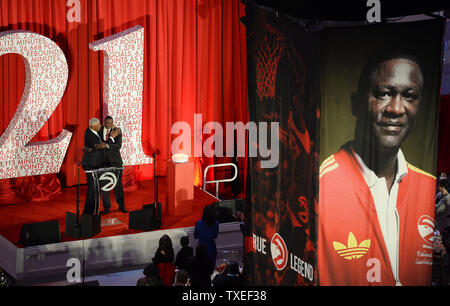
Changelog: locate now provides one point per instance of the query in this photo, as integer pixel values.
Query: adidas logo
(328, 165)
(352, 250)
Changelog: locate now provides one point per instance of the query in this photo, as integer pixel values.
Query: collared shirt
(106, 132)
(350, 245)
(386, 205)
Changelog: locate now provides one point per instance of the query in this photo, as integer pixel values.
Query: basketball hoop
(269, 54)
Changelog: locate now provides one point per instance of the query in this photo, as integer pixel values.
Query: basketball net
(269, 54)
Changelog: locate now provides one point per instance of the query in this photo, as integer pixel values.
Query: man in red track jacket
(376, 211)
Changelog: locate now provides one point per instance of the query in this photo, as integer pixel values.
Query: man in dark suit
(112, 137)
(93, 158)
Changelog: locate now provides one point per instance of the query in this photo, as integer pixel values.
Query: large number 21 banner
(46, 80)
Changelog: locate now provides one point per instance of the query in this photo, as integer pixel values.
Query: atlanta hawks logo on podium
(279, 251)
(112, 181)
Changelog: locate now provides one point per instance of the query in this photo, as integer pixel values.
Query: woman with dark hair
(200, 267)
(164, 260)
(206, 231)
(165, 252)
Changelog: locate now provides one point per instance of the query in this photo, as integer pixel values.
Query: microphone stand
(77, 221)
(155, 204)
(156, 184)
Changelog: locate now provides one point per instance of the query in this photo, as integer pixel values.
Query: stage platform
(116, 248)
(13, 216)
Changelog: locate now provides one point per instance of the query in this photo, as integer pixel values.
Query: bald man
(376, 210)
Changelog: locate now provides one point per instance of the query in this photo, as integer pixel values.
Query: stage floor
(14, 216)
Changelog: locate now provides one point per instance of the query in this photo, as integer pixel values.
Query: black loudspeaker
(226, 209)
(90, 226)
(144, 220)
(157, 212)
(71, 230)
(40, 233)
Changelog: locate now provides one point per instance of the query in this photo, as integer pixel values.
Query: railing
(218, 181)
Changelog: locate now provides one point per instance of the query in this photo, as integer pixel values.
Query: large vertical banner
(283, 79)
(378, 134)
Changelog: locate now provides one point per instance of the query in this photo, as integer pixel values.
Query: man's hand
(87, 149)
(115, 133)
(100, 146)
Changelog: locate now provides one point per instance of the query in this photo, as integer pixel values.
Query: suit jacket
(112, 155)
(92, 160)
(351, 248)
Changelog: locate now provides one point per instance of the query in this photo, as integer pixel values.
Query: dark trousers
(91, 203)
(118, 192)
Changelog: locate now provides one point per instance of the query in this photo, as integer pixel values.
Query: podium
(180, 188)
(102, 179)
(105, 179)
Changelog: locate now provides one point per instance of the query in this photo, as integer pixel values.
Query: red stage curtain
(443, 160)
(195, 62)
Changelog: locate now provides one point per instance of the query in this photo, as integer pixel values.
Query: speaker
(89, 227)
(144, 220)
(40, 233)
(71, 230)
(226, 209)
(157, 212)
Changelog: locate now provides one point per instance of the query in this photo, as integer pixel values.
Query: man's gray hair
(93, 121)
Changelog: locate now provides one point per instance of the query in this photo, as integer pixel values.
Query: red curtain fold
(36, 188)
(194, 63)
(129, 178)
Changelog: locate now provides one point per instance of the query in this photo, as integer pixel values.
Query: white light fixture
(180, 158)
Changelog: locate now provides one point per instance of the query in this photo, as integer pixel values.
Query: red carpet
(15, 215)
